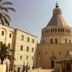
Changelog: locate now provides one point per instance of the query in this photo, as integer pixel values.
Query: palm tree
(4, 9)
(5, 52)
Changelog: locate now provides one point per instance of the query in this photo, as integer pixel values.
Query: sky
(33, 15)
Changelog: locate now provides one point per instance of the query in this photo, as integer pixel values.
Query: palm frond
(7, 16)
(2, 21)
(1, 18)
(6, 20)
(7, 9)
(4, 53)
(12, 9)
(6, 3)
(3, 8)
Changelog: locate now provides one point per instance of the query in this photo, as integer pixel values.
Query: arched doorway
(52, 64)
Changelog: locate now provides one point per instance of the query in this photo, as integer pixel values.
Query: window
(56, 41)
(26, 57)
(32, 57)
(60, 30)
(46, 52)
(20, 57)
(8, 45)
(65, 40)
(32, 49)
(10, 35)
(18, 70)
(52, 64)
(22, 37)
(39, 53)
(32, 40)
(59, 52)
(1, 43)
(53, 30)
(28, 39)
(51, 41)
(68, 67)
(63, 30)
(21, 47)
(2, 33)
(27, 49)
(69, 41)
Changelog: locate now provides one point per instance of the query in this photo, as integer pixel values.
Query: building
(53, 52)
(25, 47)
(56, 42)
(6, 35)
(22, 42)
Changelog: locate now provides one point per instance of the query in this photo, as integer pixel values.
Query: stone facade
(56, 41)
(6, 35)
(25, 47)
(22, 42)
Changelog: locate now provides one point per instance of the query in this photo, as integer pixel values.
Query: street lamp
(38, 63)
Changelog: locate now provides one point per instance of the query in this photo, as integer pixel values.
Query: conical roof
(57, 19)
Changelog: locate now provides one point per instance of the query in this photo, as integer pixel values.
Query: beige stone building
(6, 35)
(25, 47)
(22, 42)
(53, 52)
(56, 42)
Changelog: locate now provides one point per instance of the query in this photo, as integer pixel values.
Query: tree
(5, 52)
(4, 9)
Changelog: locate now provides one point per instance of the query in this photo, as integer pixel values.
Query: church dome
(57, 28)
(57, 19)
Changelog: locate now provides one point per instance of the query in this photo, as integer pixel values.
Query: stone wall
(2, 68)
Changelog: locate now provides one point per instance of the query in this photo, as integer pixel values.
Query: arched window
(69, 41)
(52, 63)
(39, 53)
(21, 47)
(27, 49)
(59, 52)
(10, 35)
(32, 49)
(28, 39)
(56, 41)
(65, 40)
(32, 40)
(2, 33)
(46, 52)
(22, 37)
(20, 57)
(26, 57)
(9, 45)
(51, 41)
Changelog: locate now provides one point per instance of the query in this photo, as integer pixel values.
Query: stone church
(55, 46)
